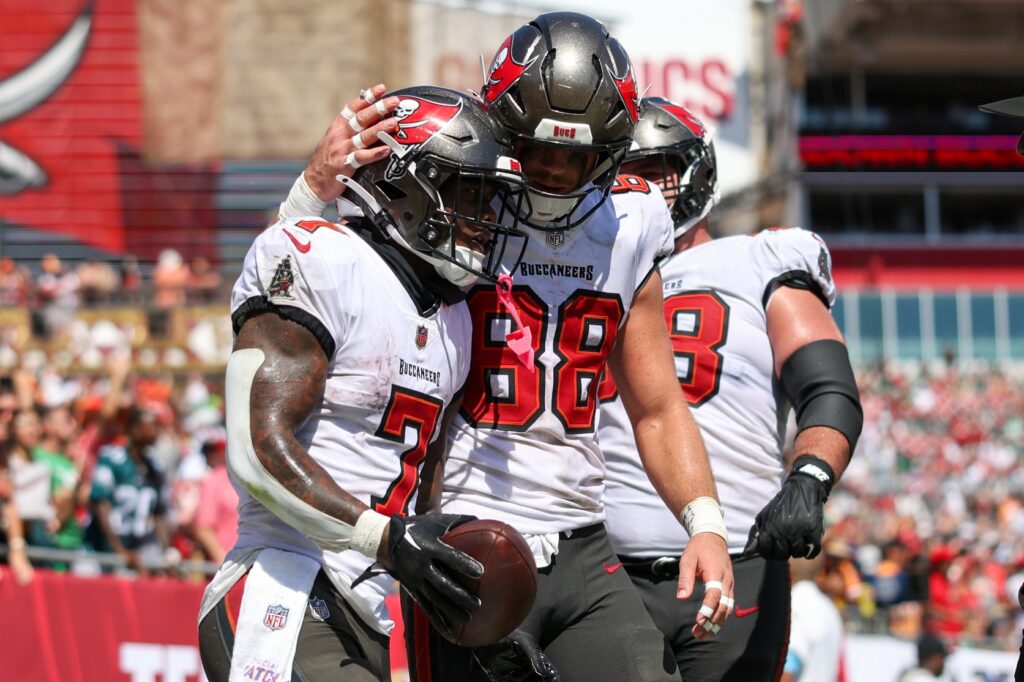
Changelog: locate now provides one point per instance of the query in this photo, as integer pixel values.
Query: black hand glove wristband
(815, 468)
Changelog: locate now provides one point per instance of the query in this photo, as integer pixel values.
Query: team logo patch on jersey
(276, 617)
(555, 239)
(824, 267)
(318, 608)
(421, 336)
(283, 279)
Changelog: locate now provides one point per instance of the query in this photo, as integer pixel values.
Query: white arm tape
(246, 468)
(301, 201)
(368, 532)
(704, 515)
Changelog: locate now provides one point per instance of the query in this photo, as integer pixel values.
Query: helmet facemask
(473, 225)
(591, 169)
(463, 221)
(687, 177)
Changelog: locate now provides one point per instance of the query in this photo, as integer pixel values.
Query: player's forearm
(673, 455)
(826, 443)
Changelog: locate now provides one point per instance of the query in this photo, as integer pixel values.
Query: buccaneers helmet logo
(628, 92)
(684, 116)
(418, 120)
(504, 71)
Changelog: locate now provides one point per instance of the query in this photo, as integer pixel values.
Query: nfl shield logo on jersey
(276, 617)
(555, 239)
(318, 608)
(421, 336)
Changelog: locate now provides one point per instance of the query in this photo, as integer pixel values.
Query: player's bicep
(289, 383)
(796, 317)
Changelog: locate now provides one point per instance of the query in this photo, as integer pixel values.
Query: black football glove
(424, 566)
(516, 658)
(791, 525)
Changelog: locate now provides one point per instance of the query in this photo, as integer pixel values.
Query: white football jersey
(716, 295)
(390, 377)
(523, 448)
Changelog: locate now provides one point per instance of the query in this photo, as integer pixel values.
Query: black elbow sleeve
(820, 384)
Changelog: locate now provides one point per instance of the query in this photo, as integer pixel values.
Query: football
(506, 589)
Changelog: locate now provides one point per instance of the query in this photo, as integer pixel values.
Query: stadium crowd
(925, 533)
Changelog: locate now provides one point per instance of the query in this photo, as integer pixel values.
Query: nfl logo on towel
(276, 617)
(318, 607)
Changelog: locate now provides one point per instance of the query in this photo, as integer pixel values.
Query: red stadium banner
(69, 96)
(64, 628)
(72, 158)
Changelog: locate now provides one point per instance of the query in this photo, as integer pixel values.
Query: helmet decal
(504, 71)
(627, 90)
(418, 120)
(684, 116)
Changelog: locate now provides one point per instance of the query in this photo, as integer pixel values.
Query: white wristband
(301, 201)
(704, 515)
(367, 533)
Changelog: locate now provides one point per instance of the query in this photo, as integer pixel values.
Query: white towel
(276, 593)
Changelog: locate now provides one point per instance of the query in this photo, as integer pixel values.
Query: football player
(586, 296)
(351, 341)
(750, 326)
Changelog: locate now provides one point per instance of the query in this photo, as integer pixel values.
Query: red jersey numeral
(630, 183)
(698, 324)
(503, 394)
(587, 329)
(406, 408)
(500, 392)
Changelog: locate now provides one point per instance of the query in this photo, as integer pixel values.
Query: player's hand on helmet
(426, 566)
(351, 141)
(792, 523)
(516, 658)
(706, 558)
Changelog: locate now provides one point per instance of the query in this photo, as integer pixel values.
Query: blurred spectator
(947, 598)
(59, 431)
(129, 495)
(31, 479)
(131, 281)
(931, 659)
(839, 578)
(12, 528)
(816, 629)
(97, 282)
(891, 577)
(204, 284)
(170, 280)
(15, 284)
(217, 520)
(57, 291)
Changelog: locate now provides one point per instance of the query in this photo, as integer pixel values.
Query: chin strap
(519, 341)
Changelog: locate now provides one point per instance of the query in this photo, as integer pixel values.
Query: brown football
(506, 589)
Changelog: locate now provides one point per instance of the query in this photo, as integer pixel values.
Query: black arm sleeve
(819, 381)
